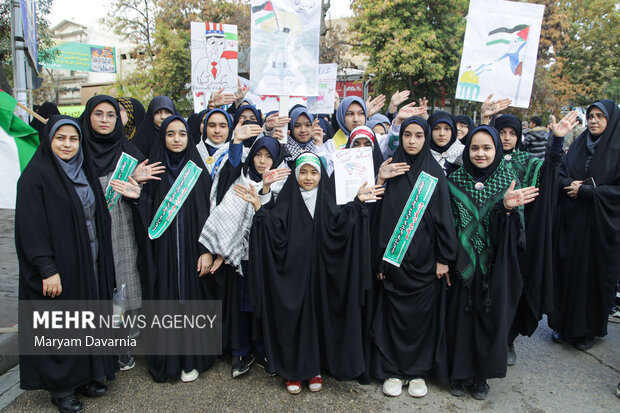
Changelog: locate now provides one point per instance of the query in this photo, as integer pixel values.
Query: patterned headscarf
(135, 115)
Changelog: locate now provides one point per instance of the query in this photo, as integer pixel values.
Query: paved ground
(547, 378)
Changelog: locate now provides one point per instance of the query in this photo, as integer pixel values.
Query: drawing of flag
(263, 12)
(515, 38)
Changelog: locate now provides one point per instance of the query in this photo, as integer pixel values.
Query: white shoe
(393, 387)
(417, 388)
(189, 377)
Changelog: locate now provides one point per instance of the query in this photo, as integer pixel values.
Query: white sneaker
(417, 388)
(189, 377)
(393, 387)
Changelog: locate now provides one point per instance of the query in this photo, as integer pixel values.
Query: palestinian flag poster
(18, 142)
(500, 51)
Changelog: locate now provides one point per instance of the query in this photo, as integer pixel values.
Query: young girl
(310, 263)
(445, 147)
(147, 132)
(489, 226)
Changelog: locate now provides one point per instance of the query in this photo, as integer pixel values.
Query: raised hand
(492, 107)
(128, 189)
(398, 98)
(317, 132)
(248, 194)
(408, 111)
(567, 123)
(275, 175)
(242, 133)
(423, 103)
(389, 170)
(241, 91)
(146, 172)
(220, 98)
(374, 105)
(276, 121)
(514, 198)
(370, 193)
(336, 101)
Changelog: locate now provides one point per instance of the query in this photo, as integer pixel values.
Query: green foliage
(411, 44)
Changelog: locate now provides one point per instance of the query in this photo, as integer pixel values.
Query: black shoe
(457, 388)
(262, 361)
(241, 365)
(93, 389)
(584, 343)
(69, 404)
(480, 391)
(511, 355)
(556, 337)
(126, 362)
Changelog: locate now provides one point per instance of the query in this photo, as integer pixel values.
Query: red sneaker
(293, 386)
(315, 383)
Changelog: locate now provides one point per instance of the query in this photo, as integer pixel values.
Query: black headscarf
(241, 109)
(470, 126)
(104, 150)
(147, 132)
(439, 117)
(513, 122)
(46, 110)
(204, 129)
(481, 174)
(135, 115)
(193, 123)
(269, 143)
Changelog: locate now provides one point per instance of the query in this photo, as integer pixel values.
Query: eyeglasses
(598, 116)
(100, 115)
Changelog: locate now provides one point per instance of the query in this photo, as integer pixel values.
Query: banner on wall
(83, 57)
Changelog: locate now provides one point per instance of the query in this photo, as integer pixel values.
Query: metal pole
(20, 87)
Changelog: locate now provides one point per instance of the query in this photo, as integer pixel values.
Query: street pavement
(548, 377)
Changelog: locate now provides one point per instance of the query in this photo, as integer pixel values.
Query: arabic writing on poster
(323, 102)
(352, 167)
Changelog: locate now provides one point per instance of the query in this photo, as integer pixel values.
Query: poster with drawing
(323, 102)
(285, 47)
(352, 167)
(499, 51)
(214, 57)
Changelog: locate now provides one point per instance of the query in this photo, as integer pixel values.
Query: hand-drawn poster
(201, 100)
(323, 102)
(285, 47)
(499, 51)
(214, 57)
(352, 167)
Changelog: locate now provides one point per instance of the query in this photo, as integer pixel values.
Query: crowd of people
(517, 226)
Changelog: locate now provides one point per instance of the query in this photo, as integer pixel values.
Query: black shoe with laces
(126, 362)
(68, 404)
(457, 388)
(241, 365)
(480, 391)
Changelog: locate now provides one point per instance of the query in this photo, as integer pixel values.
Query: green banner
(174, 199)
(410, 219)
(124, 168)
(75, 111)
(83, 57)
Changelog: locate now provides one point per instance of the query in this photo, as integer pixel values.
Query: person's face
(309, 177)
(379, 129)
(66, 142)
(160, 115)
(413, 139)
(362, 143)
(103, 118)
(461, 130)
(176, 136)
(202, 123)
(246, 115)
(262, 161)
(217, 128)
(509, 137)
(354, 116)
(302, 129)
(124, 117)
(482, 150)
(532, 125)
(597, 122)
(442, 134)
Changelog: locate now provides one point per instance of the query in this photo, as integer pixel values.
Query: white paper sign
(352, 167)
(324, 101)
(214, 57)
(285, 47)
(499, 51)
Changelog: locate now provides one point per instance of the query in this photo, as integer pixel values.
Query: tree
(411, 44)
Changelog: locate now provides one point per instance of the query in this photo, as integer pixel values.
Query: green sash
(124, 168)
(174, 199)
(410, 219)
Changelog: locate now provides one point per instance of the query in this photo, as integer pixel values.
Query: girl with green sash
(489, 227)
